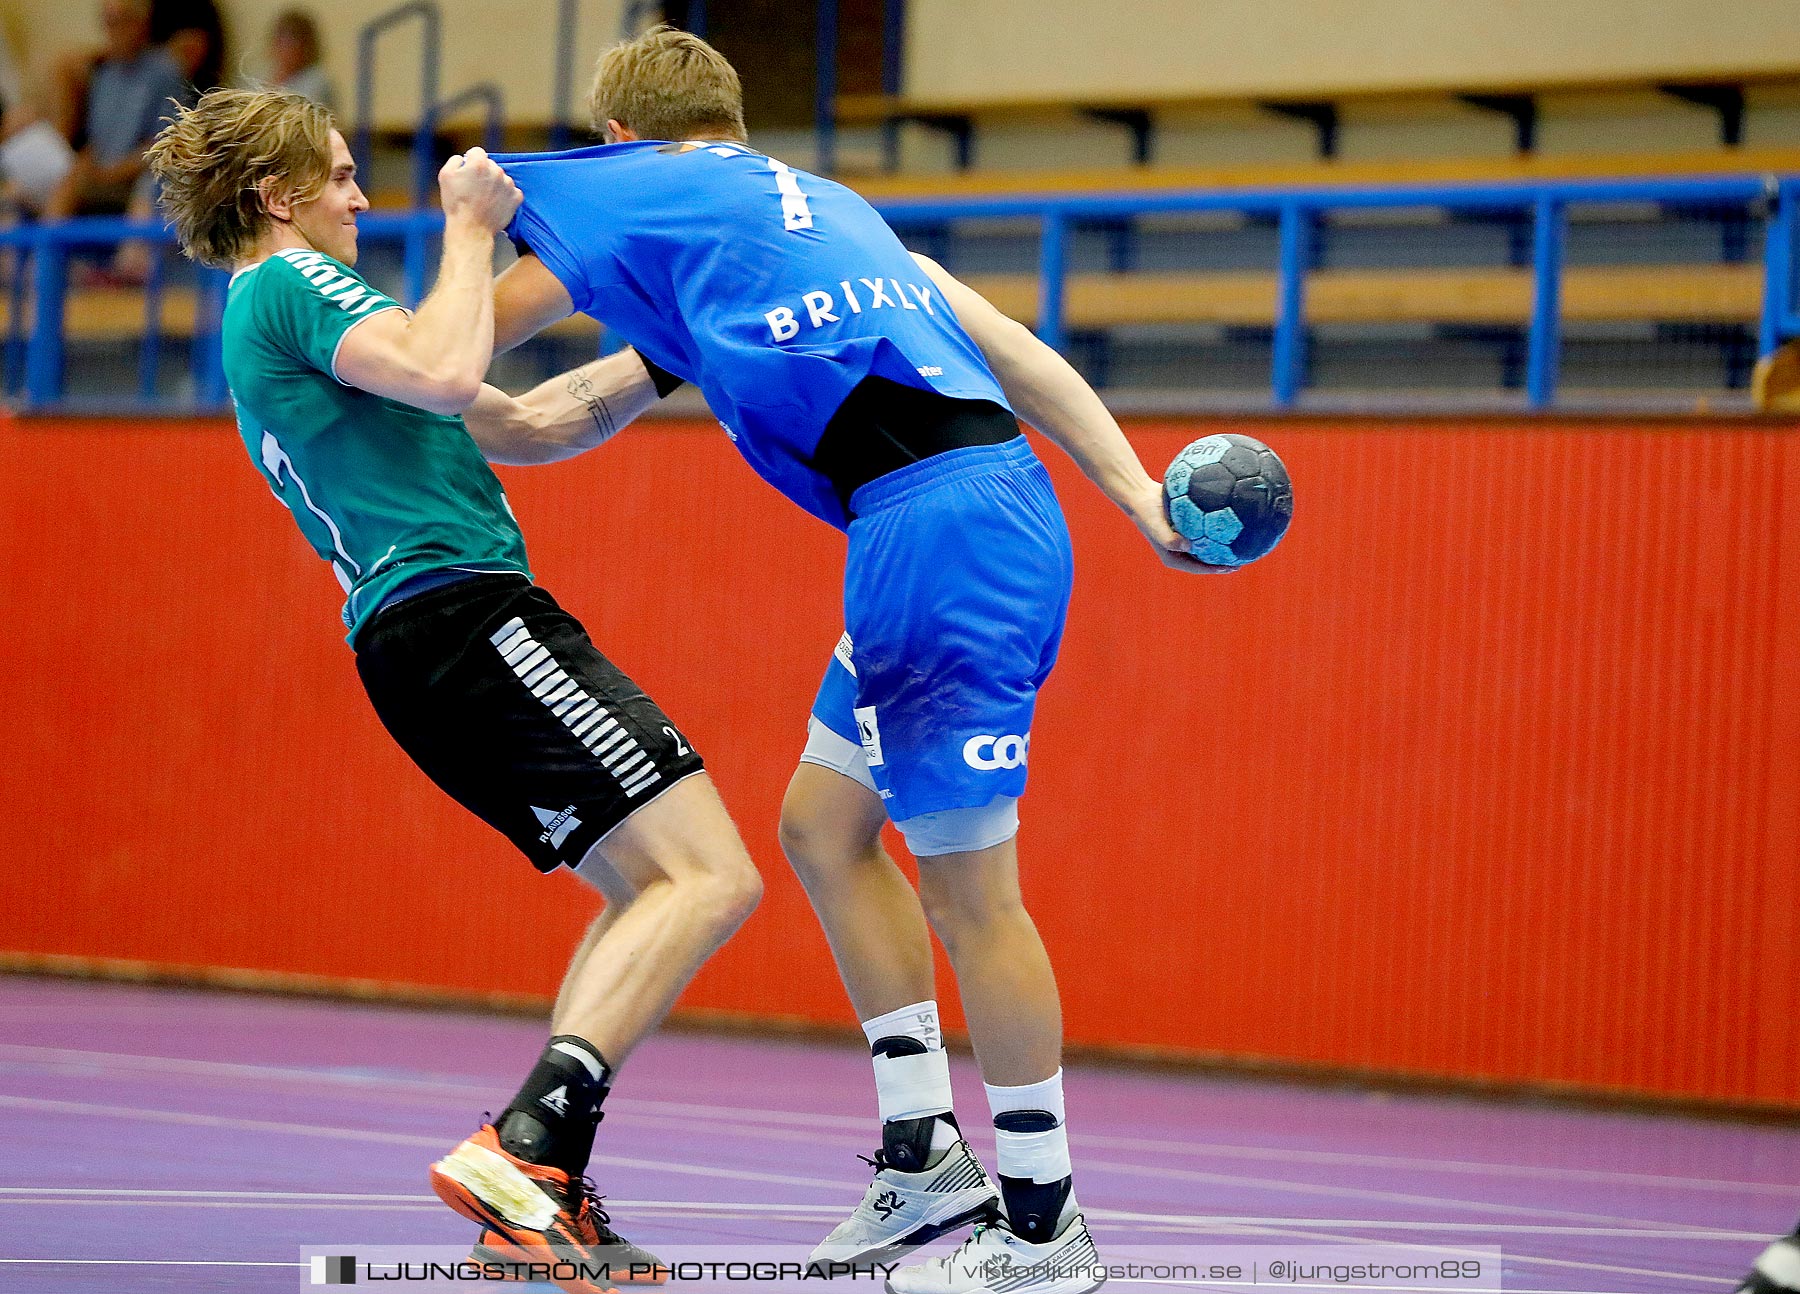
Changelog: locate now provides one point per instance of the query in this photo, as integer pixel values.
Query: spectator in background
(189, 30)
(34, 157)
(294, 61)
(128, 99)
(195, 38)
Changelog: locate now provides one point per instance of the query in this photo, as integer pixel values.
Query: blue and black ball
(1230, 497)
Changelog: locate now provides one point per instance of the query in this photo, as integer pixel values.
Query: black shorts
(500, 697)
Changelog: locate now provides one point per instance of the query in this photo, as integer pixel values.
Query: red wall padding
(1492, 770)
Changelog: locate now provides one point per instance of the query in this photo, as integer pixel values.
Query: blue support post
(825, 88)
(1545, 346)
(44, 351)
(413, 263)
(210, 390)
(431, 40)
(1053, 265)
(893, 75)
(150, 347)
(15, 318)
(1778, 269)
(562, 75)
(1296, 231)
(424, 156)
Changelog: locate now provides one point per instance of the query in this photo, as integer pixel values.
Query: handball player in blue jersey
(879, 394)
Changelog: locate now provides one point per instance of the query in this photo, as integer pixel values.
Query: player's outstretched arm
(435, 358)
(1050, 395)
(565, 416)
(528, 298)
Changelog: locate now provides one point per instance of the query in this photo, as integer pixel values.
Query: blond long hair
(221, 161)
(668, 84)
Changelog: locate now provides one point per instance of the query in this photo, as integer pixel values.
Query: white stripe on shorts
(580, 713)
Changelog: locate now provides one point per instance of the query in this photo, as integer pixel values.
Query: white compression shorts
(950, 831)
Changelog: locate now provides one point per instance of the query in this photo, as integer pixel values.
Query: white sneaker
(901, 1211)
(1777, 1270)
(995, 1261)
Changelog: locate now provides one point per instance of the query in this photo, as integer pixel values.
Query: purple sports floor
(170, 1140)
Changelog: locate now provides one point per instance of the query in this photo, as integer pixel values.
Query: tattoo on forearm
(582, 388)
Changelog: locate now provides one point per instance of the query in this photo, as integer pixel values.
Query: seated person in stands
(34, 157)
(195, 38)
(128, 100)
(294, 62)
(190, 32)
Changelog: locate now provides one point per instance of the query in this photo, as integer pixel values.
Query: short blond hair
(221, 160)
(668, 84)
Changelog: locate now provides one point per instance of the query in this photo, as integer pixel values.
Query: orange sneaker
(496, 1253)
(533, 1213)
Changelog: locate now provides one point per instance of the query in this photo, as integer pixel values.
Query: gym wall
(1489, 772)
(1046, 48)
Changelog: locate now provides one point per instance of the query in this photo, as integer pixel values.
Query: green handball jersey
(381, 490)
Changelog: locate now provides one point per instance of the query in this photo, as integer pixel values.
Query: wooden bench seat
(873, 109)
(113, 314)
(1328, 174)
(1716, 294)
(1664, 294)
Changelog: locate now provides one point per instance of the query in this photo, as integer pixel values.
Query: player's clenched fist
(475, 188)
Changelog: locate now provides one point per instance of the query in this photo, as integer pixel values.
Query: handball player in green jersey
(349, 406)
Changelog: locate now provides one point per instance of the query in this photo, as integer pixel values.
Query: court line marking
(651, 1108)
(1136, 1171)
(1171, 1223)
(144, 1262)
(391, 1139)
(1513, 1256)
(1285, 1231)
(224, 1262)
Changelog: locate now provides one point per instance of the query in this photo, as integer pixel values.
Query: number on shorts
(681, 747)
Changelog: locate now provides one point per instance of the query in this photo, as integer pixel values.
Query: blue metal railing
(1297, 214)
(47, 249)
(493, 101)
(430, 78)
(562, 75)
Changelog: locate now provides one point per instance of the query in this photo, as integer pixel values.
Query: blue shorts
(955, 592)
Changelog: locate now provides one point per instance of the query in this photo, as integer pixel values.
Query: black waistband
(884, 426)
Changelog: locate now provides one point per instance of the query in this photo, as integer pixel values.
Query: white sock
(1780, 1263)
(1032, 1156)
(911, 1087)
(920, 1020)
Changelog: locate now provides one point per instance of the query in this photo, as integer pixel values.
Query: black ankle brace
(553, 1117)
(906, 1143)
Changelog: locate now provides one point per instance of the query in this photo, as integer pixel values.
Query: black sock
(553, 1118)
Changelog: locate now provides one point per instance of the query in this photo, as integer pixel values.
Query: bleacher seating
(1724, 91)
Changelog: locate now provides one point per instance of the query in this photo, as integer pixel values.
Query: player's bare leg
(618, 895)
(927, 1182)
(831, 831)
(694, 885)
(1003, 974)
(1014, 1012)
(678, 882)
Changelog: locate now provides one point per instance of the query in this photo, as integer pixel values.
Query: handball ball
(1230, 497)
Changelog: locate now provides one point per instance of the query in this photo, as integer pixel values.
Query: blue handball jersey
(772, 290)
